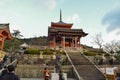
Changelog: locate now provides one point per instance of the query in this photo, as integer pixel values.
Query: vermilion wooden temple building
(61, 34)
(4, 34)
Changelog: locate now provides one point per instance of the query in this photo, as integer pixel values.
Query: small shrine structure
(61, 34)
(4, 34)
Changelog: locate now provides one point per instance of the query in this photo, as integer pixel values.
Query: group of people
(9, 73)
(47, 74)
(3, 59)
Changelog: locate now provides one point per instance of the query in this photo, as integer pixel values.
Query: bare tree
(97, 39)
(15, 42)
(16, 34)
(113, 46)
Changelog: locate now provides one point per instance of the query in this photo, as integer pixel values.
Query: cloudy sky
(32, 17)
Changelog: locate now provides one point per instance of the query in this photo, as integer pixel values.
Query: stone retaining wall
(36, 71)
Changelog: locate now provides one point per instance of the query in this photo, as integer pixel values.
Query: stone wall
(36, 71)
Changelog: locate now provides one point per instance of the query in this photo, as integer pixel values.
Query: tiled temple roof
(66, 31)
(3, 26)
(61, 24)
(54, 29)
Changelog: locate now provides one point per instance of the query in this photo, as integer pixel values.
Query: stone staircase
(84, 67)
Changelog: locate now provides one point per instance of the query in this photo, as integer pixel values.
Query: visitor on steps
(4, 72)
(46, 74)
(61, 76)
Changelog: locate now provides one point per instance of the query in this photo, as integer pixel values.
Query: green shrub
(60, 52)
(90, 53)
(47, 51)
(117, 58)
(32, 51)
(107, 54)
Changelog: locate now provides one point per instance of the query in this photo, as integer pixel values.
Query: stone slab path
(40, 79)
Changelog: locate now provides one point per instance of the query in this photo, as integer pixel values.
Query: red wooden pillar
(61, 42)
(54, 40)
(1, 41)
(64, 42)
(75, 41)
(72, 42)
(79, 42)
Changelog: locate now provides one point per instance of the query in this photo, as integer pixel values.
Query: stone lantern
(41, 61)
(41, 55)
(54, 56)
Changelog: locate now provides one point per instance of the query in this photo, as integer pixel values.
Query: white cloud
(112, 18)
(118, 32)
(50, 4)
(73, 18)
(111, 36)
(39, 4)
(44, 4)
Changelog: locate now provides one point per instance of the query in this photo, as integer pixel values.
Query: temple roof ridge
(3, 26)
(60, 16)
(61, 22)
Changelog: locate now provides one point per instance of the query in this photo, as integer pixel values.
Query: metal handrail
(93, 64)
(14, 62)
(8, 65)
(79, 78)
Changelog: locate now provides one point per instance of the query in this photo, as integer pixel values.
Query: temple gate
(61, 34)
(4, 34)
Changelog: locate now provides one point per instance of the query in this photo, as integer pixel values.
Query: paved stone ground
(31, 79)
(40, 79)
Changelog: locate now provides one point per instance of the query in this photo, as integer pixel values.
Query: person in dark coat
(4, 72)
(61, 76)
(11, 74)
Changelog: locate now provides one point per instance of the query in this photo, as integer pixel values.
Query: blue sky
(32, 17)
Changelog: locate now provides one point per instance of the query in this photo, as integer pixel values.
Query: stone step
(41, 79)
(84, 67)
